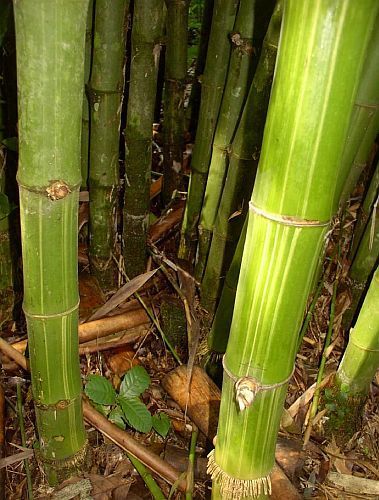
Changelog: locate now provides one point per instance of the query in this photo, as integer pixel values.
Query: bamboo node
(243, 44)
(287, 220)
(247, 388)
(234, 488)
(57, 190)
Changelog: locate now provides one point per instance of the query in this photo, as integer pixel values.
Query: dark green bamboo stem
(6, 279)
(365, 210)
(244, 157)
(86, 104)
(361, 359)
(175, 76)
(364, 262)
(321, 54)
(219, 333)
(200, 65)
(50, 70)
(147, 28)
(105, 91)
(212, 85)
(234, 97)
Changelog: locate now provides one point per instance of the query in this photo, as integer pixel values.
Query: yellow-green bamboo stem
(50, 71)
(320, 58)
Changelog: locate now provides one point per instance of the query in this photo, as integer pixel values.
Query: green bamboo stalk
(213, 82)
(290, 212)
(236, 89)
(175, 77)
(191, 463)
(361, 359)
(364, 262)
(148, 479)
(364, 124)
(86, 105)
(365, 210)
(147, 29)
(50, 71)
(243, 164)
(195, 97)
(105, 92)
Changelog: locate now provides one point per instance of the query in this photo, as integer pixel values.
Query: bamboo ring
(287, 220)
(247, 388)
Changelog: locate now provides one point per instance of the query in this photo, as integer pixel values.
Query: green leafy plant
(125, 407)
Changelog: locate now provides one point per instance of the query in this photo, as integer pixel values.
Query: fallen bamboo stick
(114, 433)
(99, 328)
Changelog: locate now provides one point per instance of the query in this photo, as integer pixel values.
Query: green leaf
(136, 413)
(161, 424)
(100, 390)
(135, 382)
(117, 417)
(103, 409)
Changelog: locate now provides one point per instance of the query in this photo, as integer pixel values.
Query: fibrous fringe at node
(233, 488)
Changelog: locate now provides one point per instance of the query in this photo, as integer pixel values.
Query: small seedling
(125, 407)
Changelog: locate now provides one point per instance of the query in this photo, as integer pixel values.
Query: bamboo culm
(50, 71)
(86, 105)
(175, 79)
(195, 98)
(146, 33)
(212, 87)
(243, 163)
(361, 358)
(236, 90)
(105, 91)
(286, 230)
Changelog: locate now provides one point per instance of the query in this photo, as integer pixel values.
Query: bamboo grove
(280, 112)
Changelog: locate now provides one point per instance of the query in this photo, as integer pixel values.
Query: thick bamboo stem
(286, 230)
(236, 90)
(213, 82)
(105, 91)
(243, 163)
(146, 31)
(50, 71)
(175, 76)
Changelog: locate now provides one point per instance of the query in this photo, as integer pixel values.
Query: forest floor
(318, 461)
